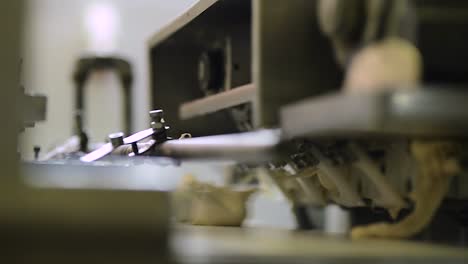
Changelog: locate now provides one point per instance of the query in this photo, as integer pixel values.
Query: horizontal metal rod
(254, 147)
(236, 96)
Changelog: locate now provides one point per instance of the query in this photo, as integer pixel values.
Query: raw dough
(205, 204)
(432, 182)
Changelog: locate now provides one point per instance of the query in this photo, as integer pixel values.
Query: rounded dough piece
(392, 63)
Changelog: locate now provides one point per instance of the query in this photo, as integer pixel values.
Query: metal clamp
(157, 133)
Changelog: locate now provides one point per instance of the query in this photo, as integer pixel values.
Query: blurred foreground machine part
(59, 225)
(256, 245)
(31, 107)
(351, 87)
(34, 110)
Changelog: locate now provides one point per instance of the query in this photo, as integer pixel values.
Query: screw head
(156, 115)
(117, 139)
(157, 119)
(157, 125)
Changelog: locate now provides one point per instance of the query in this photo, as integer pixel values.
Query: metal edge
(421, 112)
(298, 119)
(217, 102)
(180, 21)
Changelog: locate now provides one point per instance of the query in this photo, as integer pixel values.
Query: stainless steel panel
(424, 112)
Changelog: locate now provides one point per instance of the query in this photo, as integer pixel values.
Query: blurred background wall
(58, 32)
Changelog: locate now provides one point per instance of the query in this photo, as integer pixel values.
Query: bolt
(157, 115)
(157, 119)
(157, 125)
(116, 139)
(36, 150)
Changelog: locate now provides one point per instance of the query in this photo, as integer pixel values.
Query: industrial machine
(365, 102)
(359, 107)
(359, 103)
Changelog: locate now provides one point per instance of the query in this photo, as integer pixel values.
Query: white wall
(55, 37)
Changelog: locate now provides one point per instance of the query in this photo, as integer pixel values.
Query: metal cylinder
(116, 139)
